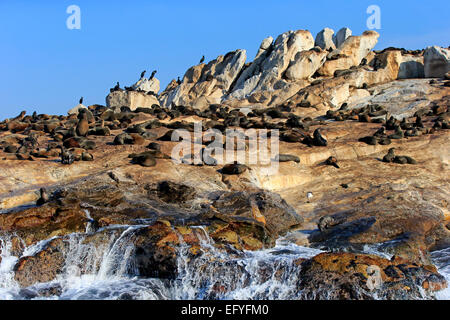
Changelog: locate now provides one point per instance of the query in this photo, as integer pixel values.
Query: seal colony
(361, 162)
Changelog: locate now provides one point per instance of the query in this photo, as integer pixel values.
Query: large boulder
(437, 62)
(147, 85)
(76, 109)
(131, 99)
(265, 45)
(350, 53)
(342, 35)
(411, 67)
(305, 64)
(324, 39)
(264, 207)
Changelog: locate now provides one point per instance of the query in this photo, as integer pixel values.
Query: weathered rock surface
(76, 109)
(131, 99)
(350, 53)
(342, 35)
(437, 62)
(206, 84)
(324, 39)
(347, 276)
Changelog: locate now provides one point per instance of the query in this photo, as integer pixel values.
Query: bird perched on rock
(202, 59)
(332, 161)
(390, 156)
(309, 196)
(143, 74)
(81, 100)
(318, 140)
(152, 75)
(116, 87)
(178, 81)
(43, 197)
(67, 157)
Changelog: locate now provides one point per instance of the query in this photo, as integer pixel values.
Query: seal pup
(234, 168)
(381, 132)
(390, 156)
(202, 59)
(43, 198)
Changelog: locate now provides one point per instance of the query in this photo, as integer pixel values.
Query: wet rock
(172, 192)
(45, 266)
(348, 276)
(265, 207)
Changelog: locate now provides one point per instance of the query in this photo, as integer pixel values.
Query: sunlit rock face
(437, 62)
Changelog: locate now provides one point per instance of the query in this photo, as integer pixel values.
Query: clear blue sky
(46, 67)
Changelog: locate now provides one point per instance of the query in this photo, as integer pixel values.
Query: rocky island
(352, 204)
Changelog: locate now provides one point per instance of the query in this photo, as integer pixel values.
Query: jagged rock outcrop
(206, 84)
(350, 53)
(264, 75)
(437, 62)
(324, 39)
(342, 35)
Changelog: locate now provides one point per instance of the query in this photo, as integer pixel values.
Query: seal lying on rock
(286, 158)
(390, 156)
(234, 168)
(332, 161)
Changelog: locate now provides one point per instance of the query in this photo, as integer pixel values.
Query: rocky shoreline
(362, 176)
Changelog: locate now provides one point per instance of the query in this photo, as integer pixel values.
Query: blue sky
(46, 67)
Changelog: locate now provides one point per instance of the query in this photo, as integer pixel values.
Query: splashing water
(100, 266)
(441, 258)
(8, 286)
